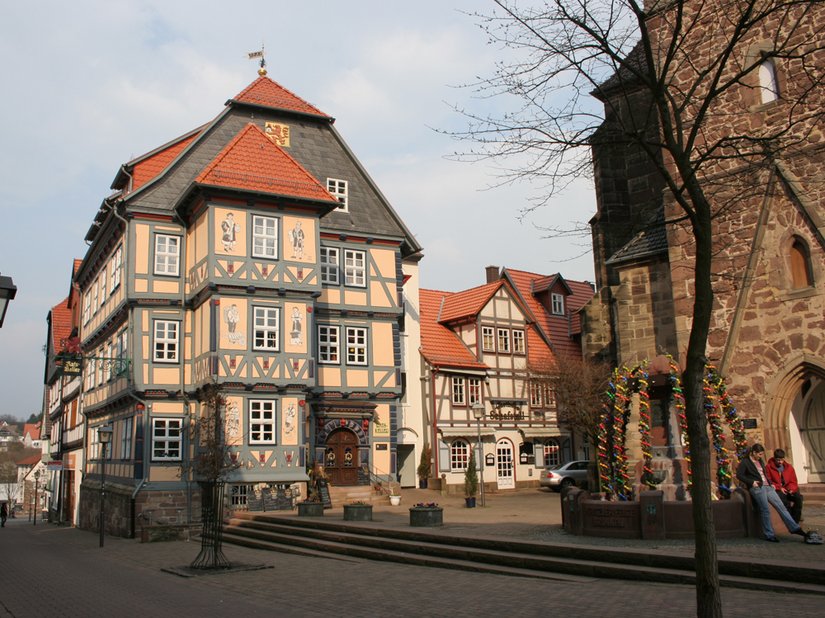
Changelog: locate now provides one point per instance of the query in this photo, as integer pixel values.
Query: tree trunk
(211, 555)
(708, 597)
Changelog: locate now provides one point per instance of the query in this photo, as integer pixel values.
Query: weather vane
(259, 54)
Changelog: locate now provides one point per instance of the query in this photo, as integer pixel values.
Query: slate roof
(267, 93)
(440, 346)
(651, 241)
(253, 162)
(626, 74)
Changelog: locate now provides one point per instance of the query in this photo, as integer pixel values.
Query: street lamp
(35, 509)
(7, 292)
(478, 414)
(104, 436)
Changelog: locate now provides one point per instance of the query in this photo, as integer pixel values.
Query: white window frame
(518, 341)
(166, 334)
(458, 390)
(167, 439)
(355, 268)
(126, 439)
(556, 303)
(262, 416)
(357, 338)
(265, 237)
(459, 455)
(488, 339)
(115, 266)
(167, 255)
(503, 340)
(330, 258)
(339, 189)
(473, 391)
(329, 344)
(95, 301)
(87, 306)
(551, 452)
(266, 328)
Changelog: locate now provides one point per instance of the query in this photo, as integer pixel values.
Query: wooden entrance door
(341, 458)
(813, 434)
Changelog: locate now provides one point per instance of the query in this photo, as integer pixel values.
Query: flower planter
(310, 509)
(357, 512)
(426, 516)
(470, 502)
(395, 500)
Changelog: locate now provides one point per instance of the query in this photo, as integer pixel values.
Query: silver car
(565, 475)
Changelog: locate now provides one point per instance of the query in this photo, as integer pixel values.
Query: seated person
(751, 473)
(783, 478)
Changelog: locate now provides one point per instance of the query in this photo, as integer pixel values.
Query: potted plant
(424, 467)
(358, 511)
(395, 495)
(313, 506)
(470, 482)
(426, 514)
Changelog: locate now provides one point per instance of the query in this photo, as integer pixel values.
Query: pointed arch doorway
(812, 432)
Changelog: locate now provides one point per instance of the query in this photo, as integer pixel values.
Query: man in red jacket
(783, 478)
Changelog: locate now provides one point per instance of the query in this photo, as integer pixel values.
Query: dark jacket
(747, 473)
(788, 475)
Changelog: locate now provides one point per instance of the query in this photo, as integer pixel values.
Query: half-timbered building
(253, 257)
(479, 348)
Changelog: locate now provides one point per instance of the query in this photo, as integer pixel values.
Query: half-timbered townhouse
(479, 348)
(62, 416)
(253, 257)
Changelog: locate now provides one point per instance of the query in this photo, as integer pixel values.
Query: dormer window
(768, 87)
(557, 304)
(339, 190)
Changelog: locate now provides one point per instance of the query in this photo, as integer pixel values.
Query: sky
(89, 85)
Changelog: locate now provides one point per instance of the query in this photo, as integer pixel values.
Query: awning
(469, 432)
(542, 432)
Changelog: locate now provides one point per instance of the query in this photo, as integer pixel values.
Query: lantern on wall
(365, 424)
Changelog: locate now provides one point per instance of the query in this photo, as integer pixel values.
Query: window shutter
(443, 456)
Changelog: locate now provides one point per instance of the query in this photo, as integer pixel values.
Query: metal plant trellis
(612, 431)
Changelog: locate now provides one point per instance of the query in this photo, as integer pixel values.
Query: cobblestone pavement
(56, 572)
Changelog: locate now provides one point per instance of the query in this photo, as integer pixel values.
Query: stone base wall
(151, 509)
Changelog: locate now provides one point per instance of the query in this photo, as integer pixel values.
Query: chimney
(492, 273)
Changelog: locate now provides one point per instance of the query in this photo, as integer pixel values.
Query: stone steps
(316, 537)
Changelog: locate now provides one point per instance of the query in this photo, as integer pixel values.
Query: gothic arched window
(801, 272)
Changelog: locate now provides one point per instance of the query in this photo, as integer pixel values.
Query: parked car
(565, 475)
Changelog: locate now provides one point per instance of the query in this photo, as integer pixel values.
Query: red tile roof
(31, 460)
(32, 429)
(559, 329)
(252, 162)
(61, 324)
(149, 166)
(467, 303)
(263, 91)
(440, 346)
(539, 353)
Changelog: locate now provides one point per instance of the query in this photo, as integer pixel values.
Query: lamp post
(104, 436)
(478, 414)
(7, 292)
(35, 509)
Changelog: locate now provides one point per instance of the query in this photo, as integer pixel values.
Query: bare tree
(210, 465)
(578, 386)
(678, 80)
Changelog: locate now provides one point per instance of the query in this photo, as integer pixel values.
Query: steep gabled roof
(31, 460)
(467, 303)
(267, 93)
(558, 330)
(440, 346)
(253, 162)
(61, 324)
(32, 429)
(146, 169)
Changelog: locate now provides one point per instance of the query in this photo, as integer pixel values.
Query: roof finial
(259, 54)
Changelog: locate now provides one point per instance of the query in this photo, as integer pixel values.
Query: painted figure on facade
(230, 232)
(232, 316)
(297, 238)
(233, 421)
(296, 332)
(289, 419)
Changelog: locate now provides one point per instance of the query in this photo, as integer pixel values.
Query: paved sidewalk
(52, 571)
